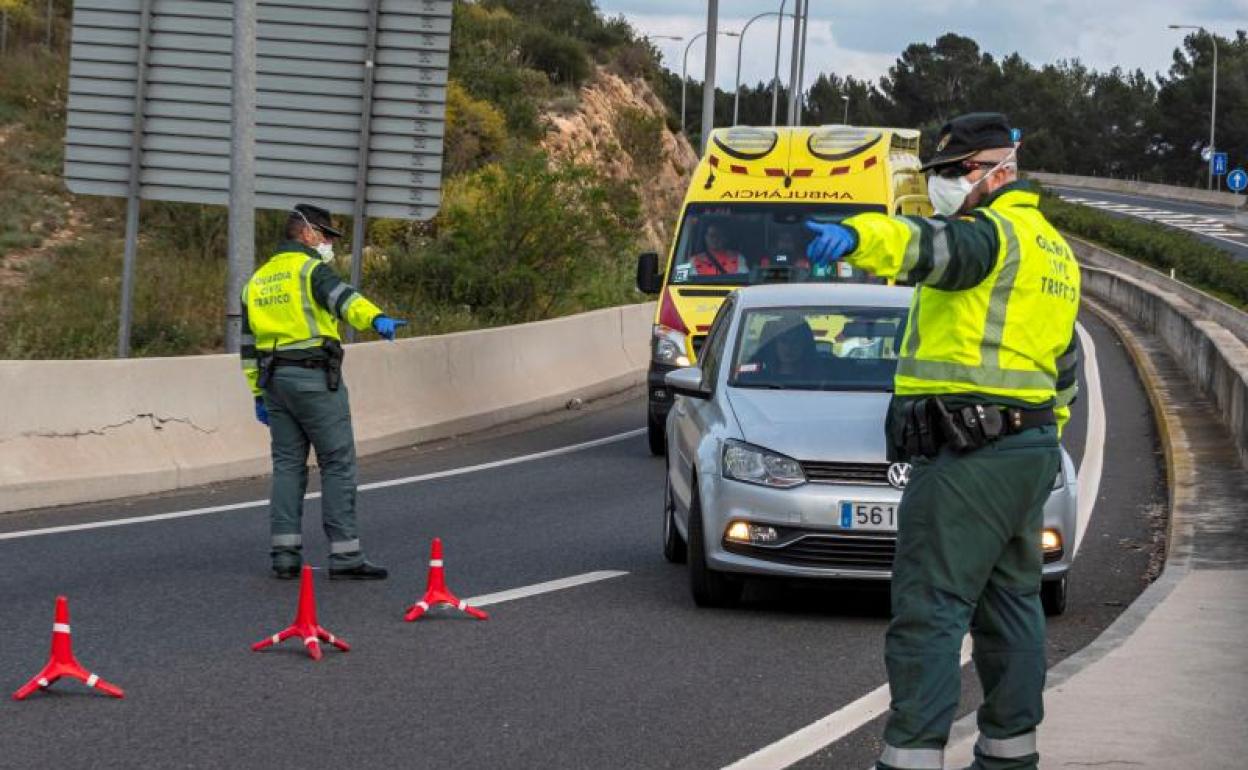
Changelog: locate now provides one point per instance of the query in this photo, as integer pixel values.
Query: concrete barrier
(1229, 316)
(77, 431)
(1214, 358)
(1151, 189)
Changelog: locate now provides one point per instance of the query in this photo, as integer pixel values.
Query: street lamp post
(736, 88)
(845, 120)
(1213, 106)
(775, 75)
(684, 68)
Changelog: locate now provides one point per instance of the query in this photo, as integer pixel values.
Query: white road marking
(1094, 439)
(1200, 224)
(362, 488)
(542, 588)
(797, 746)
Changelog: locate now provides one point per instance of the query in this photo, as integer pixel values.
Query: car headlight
(754, 465)
(668, 346)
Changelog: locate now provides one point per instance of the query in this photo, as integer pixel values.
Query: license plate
(877, 517)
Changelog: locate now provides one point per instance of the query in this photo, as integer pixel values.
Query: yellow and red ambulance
(743, 222)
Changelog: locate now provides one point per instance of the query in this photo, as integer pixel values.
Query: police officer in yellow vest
(985, 377)
(292, 356)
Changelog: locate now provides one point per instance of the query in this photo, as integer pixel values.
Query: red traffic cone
(305, 625)
(438, 593)
(62, 662)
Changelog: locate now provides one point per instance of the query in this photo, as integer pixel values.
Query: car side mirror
(687, 382)
(649, 279)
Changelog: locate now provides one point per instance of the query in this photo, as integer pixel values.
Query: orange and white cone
(62, 662)
(305, 626)
(437, 594)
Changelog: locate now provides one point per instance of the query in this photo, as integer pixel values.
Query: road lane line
(1093, 461)
(313, 495)
(797, 746)
(543, 588)
(810, 739)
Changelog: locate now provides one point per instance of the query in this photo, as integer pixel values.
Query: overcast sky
(864, 37)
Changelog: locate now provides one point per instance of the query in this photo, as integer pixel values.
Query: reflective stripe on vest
(1003, 336)
(913, 759)
(1007, 748)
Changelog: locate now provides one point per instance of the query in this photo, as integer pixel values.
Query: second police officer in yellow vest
(292, 357)
(985, 377)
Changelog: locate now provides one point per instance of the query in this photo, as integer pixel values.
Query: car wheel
(656, 433)
(674, 549)
(710, 588)
(1053, 596)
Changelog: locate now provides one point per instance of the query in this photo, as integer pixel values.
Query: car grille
(869, 474)
(868, 551)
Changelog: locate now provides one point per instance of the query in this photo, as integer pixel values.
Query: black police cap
(966, 135)
(318, 218)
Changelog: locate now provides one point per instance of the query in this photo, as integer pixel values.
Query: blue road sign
(1219, 163)
(1237, 180)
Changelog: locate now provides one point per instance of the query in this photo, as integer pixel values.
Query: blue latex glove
(262, 412)
(832, 241)
(386, 326)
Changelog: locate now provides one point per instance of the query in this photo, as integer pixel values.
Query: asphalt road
(1213, 224)
(619, 673)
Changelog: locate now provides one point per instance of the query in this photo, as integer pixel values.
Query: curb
(1179, 478)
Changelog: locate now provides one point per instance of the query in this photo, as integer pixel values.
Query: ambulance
(743, 222)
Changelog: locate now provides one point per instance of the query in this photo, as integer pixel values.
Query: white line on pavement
(363, 488)
(543, 588)
(797, 746)
(1094, 438)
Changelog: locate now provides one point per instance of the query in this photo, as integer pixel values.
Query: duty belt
(306, 363)
(923, 426)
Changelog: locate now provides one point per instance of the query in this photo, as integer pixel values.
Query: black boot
(364, 571)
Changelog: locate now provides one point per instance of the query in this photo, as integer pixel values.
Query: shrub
(640, 134)
(476, 131)
(563, 59)
(522, 240)
(1194, 261)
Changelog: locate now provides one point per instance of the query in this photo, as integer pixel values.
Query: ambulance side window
(713, 350)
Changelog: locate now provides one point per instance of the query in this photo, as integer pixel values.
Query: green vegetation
(519, 238)
(641, 136)
(1194, 261)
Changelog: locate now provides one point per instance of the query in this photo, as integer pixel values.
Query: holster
(921, 427)
(333, 364)
(265, 365)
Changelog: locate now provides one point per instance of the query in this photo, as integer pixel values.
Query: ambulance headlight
(668, 347)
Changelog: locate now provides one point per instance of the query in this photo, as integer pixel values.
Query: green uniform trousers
(969, 554)
(304, 412)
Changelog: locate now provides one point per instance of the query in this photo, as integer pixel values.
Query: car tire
(709, 588)
(674, 548)
(1053, 596)
(656, 433)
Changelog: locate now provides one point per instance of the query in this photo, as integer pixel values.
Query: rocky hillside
(619, 127)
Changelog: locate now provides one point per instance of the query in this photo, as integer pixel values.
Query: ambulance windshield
(752, 243)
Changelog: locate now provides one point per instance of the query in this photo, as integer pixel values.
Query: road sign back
(311, 66)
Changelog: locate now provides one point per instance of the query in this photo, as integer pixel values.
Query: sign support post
(242, 237)
(133, 200)
(359, 217)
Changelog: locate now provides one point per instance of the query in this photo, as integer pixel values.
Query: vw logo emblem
(899, 475)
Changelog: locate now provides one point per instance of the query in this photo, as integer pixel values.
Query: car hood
(827, 426)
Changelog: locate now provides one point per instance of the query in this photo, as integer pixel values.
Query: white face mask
(948, 195)
(326, 250)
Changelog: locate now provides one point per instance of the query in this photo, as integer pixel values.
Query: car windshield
(818, 348)
(751, 243)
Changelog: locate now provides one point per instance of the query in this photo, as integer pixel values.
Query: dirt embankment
(619, 127)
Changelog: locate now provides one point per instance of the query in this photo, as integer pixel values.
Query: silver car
(776, 452)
